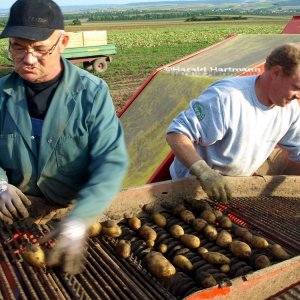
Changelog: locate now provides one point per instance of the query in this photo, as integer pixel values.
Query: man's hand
(70, 247)
(13, 203)
(213, 183)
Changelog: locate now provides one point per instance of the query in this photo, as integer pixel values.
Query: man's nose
(29, 58)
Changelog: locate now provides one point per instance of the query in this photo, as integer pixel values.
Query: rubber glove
(212, 182)
(13, 203)
(70, 246)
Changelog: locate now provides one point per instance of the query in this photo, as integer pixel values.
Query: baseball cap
(33, 20)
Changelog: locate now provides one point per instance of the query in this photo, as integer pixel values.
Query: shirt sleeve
(203, 121)
(291, 140)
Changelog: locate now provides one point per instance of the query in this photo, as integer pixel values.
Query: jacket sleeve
(3, 176)
(108, 160)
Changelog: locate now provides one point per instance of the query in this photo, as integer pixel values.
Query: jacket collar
(71, 81)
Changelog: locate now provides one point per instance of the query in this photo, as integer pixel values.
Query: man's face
(32, 60)
(284, 88)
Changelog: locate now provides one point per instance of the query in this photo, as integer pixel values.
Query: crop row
(187, 35)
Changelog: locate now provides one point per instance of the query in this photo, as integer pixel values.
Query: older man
(60, 138)
(234, 125)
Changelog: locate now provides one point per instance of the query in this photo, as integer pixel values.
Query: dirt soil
(122, 89)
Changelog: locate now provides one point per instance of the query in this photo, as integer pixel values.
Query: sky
(4, 4)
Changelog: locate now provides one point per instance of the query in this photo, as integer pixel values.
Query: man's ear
(64, 42)
(276, 71)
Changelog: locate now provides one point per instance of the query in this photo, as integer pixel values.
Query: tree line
(157, 14)
(214, 18)
(136, 14)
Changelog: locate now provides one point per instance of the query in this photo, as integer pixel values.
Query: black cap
(33, 20)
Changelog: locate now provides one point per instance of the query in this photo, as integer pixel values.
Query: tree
(76, 22)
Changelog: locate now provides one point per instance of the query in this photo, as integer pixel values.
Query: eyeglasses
(20, 52)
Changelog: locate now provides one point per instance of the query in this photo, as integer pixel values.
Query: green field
(144, 46)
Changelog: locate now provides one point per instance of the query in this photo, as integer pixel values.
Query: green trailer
(92, 57)
(91, 48)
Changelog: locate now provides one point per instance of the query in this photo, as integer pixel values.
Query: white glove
(70, 247)
(213, 183)
(13, 203)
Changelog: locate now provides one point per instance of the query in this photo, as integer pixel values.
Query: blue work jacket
(82, 153)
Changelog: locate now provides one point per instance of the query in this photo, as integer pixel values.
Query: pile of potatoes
(198, 225)
(210, 225)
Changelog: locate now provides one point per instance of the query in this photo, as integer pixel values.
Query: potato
(279, 253)
(208, 216)
(225, 268)
(111, 228)
(178, 209)
(176, 231)
(182, 262)
(258, 242)
(134, 223)
(199, 224)
(162, 248)
(203, 205)
(187, 216)
(205, 279)
(158, 265)
(198, 205)
(35, 255)
(217, 213)
(247, 237)
(159, 219)
(148, 207)
(95, 229)
(210, 232)
(182, 251)
(201, 251)
(190, 240)
(240, 249)
(261, 261)
(216, 258)
(240, 231)
(123, 248)
(147, 233)
(225, 222)
(224, 238)
(150, 243)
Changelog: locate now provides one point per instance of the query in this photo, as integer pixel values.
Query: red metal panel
(293, 26)
(162, 172)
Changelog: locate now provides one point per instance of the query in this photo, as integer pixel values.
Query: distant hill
(289, 3)
(215, 2)
(162, 3)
